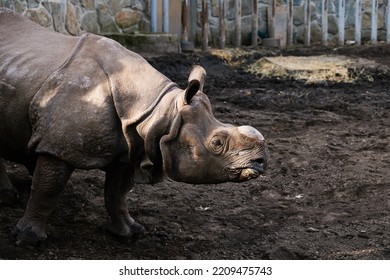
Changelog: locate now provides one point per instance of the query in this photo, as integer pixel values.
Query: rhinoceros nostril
(260, 164)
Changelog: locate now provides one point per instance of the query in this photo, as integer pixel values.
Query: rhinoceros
(87, 102)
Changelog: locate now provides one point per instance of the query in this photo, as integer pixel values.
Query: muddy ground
(326, 194)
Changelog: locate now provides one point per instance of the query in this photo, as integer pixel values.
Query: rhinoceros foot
(9, 197)
(136, 232)
(29, 236)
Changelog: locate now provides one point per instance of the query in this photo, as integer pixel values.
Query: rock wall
(75, 17)
(127, 16)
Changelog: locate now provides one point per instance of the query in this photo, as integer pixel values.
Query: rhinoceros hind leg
(8, 195)
(119, 180)
(28, 236)
(50, 177)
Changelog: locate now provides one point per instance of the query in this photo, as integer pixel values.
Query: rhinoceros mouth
(243, 174)
(249, 173)
(252, 171)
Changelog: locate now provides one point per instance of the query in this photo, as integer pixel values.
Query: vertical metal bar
(255, 23)
(153, 15)
(388, 22)
(358, 22)
(290, 24)
(374, 21)
(237, 23)
(222, 24)
(307, 26)
(165, 24)
(205, 25)
(324, 20)
(341, 22)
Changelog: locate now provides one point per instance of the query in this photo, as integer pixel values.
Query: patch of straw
(312, 69)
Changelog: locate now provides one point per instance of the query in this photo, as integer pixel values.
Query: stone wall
(127, 16)
(75, 17)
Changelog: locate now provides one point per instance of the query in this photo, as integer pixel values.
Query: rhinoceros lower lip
(249, 173)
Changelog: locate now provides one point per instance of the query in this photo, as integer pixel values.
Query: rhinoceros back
(71, 97)
(82, 112)
(29, 53)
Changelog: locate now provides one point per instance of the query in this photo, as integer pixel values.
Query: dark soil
(326, 194)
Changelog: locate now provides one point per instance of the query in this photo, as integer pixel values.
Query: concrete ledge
(148, 42)
(271, 42)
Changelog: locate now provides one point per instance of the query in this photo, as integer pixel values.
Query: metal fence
(341, 9)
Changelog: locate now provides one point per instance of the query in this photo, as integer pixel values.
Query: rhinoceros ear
(192, 89)
(195, 82)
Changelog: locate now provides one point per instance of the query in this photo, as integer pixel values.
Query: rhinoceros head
(200, 149)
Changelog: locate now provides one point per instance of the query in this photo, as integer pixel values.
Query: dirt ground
(326, 194)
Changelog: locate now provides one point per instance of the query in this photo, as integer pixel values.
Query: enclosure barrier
(341, 10)
(165, 16)
(223, 22)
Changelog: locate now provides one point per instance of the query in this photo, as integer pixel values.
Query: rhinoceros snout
(260, 165)
(257, 168)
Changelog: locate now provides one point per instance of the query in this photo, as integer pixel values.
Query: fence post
(374, 21)
(205, 25)
(222, 25)
(165, 24)
(193, 19)
(324, 20)
(184, 21)
(341, 22)
(271, 18)
(153, 15)
(255, 23)
(358, 22)
(388, 23)
(290, 23)
(237, 23)
(307, 22)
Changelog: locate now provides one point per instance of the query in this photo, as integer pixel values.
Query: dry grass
(312, 69)
(232, 57)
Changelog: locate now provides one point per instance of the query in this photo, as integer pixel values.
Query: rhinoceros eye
(217, 144)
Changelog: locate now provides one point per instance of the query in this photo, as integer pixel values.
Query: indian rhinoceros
(86, 102)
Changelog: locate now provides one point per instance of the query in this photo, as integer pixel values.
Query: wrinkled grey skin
(86, 102)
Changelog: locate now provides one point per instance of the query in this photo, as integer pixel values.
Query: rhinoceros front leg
(119, 181)
(8, 195)
(49, 179)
